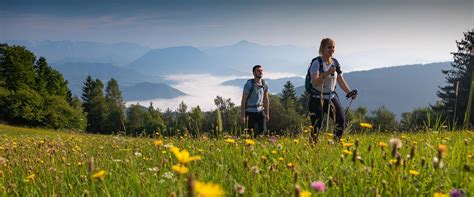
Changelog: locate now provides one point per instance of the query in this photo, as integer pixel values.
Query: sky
(420, 29)
(368, 33)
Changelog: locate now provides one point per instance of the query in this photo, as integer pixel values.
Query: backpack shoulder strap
(321, 66)
(336, 63)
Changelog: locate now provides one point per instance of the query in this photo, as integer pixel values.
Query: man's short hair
(255, 67)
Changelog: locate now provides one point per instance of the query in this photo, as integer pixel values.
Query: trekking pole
(348, 107)
(329, 105)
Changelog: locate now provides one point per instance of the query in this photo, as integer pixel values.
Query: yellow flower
(346, 152)
(99, 175)
(230, 141)
(181, 169)
(305, 131)
(443, 149)
(208, 189)
(330, 134)
(347, 144)
(29, 178)
(183, 156)
(403, 137)
(436, 194)
(414, 172)
(274, 152)
(366, 125)
(158, 142)
(280, 158)
(305, 194)
(249, 142)
(383, 144)
(296, 141)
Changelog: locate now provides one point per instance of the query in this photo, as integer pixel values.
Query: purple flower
(318, 186)
(273, 139)
(455, 193)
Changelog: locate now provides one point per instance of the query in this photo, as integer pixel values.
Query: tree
(383, 119)
(153, 120)
(135, 119)
(182, 117)
(34, 94)
(116, 107)
(288, 95)
(197, 120)
(454, 96)
(16, 67)
(283, 120)
(94, 105)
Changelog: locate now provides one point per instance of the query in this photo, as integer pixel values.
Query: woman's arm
(342, 82)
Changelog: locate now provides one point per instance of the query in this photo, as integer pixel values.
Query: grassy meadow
(60, 163)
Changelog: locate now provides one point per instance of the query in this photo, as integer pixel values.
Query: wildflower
(183, 156)
(442, 150)
(280, 158)
(138, 154)
(414, 172)
(272, 139)
(437, 163)
(318, 186)
(305, 194)
(239, 189)
(383, 145)
(290, 165)
(155, 169)
(296, 141)
(366, 125)
(99, 175)
(208, 189)
(158, 142)
(330, 134)
(181, 169)
(395, 142)
(2, 161)
(346, 152)
(403, 137)
(347, 145)
(455, 193)
(230, 141)
(274, 151)
(29, 178)
(249, 142)
(255, 169)
(436, 194)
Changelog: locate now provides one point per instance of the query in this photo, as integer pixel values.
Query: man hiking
(255, 105)
(321, 79)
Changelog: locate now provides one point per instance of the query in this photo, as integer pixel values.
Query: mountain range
(399, 88)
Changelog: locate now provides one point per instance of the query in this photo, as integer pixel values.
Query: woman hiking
(323, 74)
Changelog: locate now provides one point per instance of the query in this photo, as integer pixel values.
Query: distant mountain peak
(246, 43)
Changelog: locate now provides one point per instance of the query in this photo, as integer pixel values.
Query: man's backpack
(252, 87)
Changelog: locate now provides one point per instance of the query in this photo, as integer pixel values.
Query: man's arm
(243, 106)
(266, 103)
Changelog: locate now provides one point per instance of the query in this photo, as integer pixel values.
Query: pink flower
(318, 186)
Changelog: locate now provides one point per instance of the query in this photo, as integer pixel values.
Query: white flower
(168, 175)
(155, 169)
(395, 142)
(137, 154)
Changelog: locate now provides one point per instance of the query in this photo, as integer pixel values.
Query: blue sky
(420, 30)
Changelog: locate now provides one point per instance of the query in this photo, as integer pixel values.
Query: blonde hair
(324, 43)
